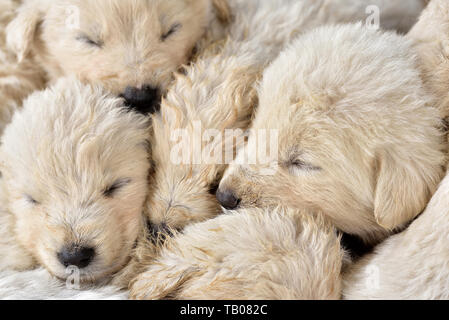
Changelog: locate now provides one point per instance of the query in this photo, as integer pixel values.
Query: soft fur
(60, 154)
(17, 80)
(282, 254)
(410, 265)
(118, 43)
(357, 137)
(431, 40)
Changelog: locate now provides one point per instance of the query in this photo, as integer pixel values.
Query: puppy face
(75, 166)
(130, 47)
(367, 156)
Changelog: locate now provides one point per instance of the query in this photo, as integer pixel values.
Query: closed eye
(171, 31)
(112, 190)
(84, 38)
(213, 188)
(302, 165)
(31, 200)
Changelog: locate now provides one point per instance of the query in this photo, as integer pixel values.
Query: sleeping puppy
(74, 162)
(131, 47)
(357, 138)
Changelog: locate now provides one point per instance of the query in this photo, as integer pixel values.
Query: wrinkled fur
(17, 80)
(282, 254)
(58, 156)
(358, 139)
(131, 50)
(409, 265)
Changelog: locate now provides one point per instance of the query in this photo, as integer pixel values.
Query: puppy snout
(80, 257)
(145, 100)
(227, 199)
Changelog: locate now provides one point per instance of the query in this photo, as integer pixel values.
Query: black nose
(145, 100)
(227, 199)
(76, 256)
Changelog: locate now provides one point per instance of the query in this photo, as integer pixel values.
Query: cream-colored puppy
(217, 93)
(75, 166)
(131, 47)
(281, 254)
(357, 138)
(409, 265)
(17, 80)
(431, 40)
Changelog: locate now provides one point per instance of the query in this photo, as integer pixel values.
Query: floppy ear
(21, 31)
(223, 10)
(403, 189)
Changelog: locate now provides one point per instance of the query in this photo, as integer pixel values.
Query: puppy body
(17, 80)
(283, 254)
(431, 40)
(74, 163)
(357, 139)
(409, 265)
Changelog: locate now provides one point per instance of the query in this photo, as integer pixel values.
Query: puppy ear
(22, 30)
(403, 189)
(223, 10)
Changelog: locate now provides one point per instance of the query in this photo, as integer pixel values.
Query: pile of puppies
(103, 169)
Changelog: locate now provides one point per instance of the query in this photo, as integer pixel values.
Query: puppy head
(130, 47)
(75, 165)
(431, 39)
(366, 154)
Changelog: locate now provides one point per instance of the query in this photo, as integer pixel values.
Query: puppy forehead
(130, 12)
(73, 125)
